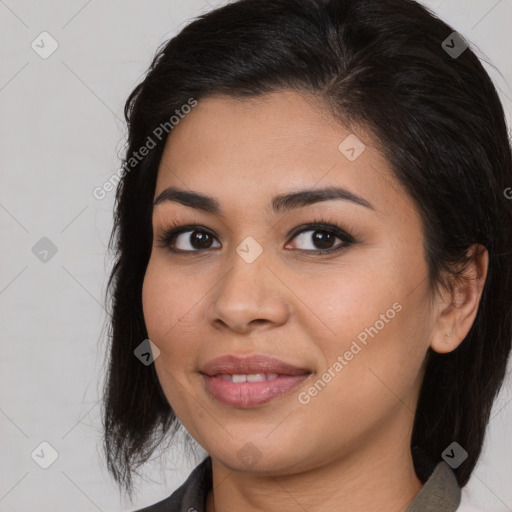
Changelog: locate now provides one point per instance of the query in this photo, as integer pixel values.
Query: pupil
(323, 239)
(200, 237)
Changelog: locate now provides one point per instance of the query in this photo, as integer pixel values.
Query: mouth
(245, 382)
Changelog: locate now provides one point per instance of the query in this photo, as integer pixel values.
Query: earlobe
(457, 307)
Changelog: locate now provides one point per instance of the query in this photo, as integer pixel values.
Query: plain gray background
(61, 130)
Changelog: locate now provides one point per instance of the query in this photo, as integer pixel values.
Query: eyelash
(166, 235)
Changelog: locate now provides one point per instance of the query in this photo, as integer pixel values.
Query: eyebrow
(280, 204)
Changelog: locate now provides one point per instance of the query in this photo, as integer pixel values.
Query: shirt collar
(441, 492)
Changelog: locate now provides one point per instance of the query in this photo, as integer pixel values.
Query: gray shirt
(440, 493)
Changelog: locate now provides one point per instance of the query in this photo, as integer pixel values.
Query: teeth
(255, 377)
(252, 377)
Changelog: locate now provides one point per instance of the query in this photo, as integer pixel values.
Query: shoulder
(191, 495)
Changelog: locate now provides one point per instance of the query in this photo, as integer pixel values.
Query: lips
(250, 365)
(250, 381)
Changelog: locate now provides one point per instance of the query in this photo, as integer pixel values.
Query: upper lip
(244, 365)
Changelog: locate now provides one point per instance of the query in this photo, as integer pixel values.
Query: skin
(348, 449)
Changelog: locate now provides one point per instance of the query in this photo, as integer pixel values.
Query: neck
(361, 482)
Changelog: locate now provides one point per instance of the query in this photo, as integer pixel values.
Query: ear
(457, 307)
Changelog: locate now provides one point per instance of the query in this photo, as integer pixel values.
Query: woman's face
(246, 282)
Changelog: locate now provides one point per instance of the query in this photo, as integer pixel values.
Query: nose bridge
(246, 277)
(249, 290)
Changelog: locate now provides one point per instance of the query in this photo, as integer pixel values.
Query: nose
(249, 295)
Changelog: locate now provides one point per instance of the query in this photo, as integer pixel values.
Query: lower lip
(251, 394)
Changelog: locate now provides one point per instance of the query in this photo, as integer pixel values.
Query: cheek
(163, 306)
(163, 300)
(376, 326)
(171, 311)
(362, 384)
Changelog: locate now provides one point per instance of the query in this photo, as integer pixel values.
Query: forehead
(243, 151)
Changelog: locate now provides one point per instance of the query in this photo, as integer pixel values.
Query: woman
(312, 229)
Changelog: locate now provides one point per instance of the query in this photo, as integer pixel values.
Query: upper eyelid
(308, 226)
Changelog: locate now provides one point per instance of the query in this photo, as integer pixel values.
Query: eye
(319, 240)
(320, 237)
(187, 240)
